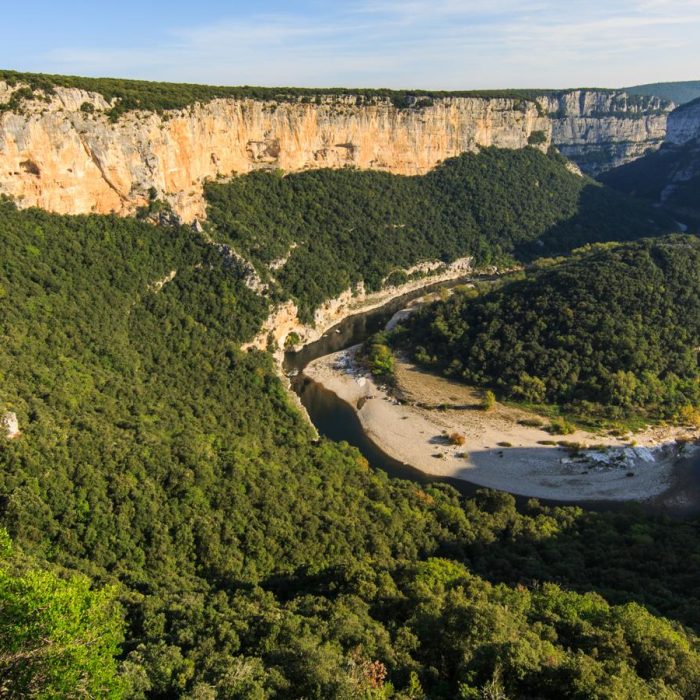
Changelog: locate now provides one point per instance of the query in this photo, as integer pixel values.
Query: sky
(429, 44)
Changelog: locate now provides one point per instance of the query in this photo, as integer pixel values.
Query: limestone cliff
(599, 130)
(669, 176)
(284, 319)
(681, 150)
(684, 124)
(63, 153)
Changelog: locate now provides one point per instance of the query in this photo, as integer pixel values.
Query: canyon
(61, 151)
(669, 176)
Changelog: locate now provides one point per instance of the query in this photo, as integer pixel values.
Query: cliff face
(600, 130)
(684, 124)
(65, 155)
(682, 150)
(669, 176)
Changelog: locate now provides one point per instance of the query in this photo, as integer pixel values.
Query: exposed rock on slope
(684, 124)
(284, 319)
(671, 175)
(64, 154)
(599, 130)
(9, 425)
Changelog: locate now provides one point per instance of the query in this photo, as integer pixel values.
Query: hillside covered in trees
(670, 176)
(252, 560)
(614, 326)
(679, 92)
(335, 228)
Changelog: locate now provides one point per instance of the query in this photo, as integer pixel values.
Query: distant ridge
(679, 92)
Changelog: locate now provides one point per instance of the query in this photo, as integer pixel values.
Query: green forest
(173, 528)
(336, 228)
(649, 178)
(679, 92)
(613, 329)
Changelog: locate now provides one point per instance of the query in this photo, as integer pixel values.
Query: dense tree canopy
(617, 325)
(671, 175)
(679, 92)
(58, 637)
(340, 227)
(255, 561)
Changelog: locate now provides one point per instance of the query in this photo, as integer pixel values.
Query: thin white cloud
(439, 44)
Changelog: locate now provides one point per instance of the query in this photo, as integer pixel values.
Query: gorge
(62, 149)
(171, 526)
(669, 176)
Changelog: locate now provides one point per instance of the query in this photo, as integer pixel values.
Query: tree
(58, 636)
(489, 400)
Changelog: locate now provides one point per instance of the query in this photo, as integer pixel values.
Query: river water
(337, 420)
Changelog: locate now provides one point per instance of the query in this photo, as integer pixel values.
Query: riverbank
(498, 451)
(350, 307)
(284, 322)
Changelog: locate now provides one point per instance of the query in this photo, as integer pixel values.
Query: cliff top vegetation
(127, 95)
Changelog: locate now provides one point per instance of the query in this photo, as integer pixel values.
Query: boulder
(9, 425)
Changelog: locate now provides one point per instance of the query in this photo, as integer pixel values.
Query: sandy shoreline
(412, 432)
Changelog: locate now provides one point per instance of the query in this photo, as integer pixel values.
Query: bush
(536, 138)
(380, 359)
(292, 340)
(689, 415)
(561, 426)
(531, 422)
(488, 402)
(457, 439)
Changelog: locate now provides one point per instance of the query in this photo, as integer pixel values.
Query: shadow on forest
(621, 550)
(625, 556)
(649, 177)
(592, 223)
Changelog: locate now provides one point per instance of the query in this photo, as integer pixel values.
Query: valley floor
(498, 451)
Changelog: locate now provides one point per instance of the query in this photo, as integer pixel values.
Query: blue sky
(439, 44)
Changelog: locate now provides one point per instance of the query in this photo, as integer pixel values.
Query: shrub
(573, 448)
(536, 138)
(291, 340)
(380, 359)
(531, 422)
(488, 401)
(457, 439)
(689, 415)
(531, 389)
(561, 426)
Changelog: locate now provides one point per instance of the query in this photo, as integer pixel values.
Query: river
(337, 420)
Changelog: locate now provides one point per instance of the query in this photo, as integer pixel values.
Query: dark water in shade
(337, 421)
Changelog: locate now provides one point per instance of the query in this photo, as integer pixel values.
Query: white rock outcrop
(9, 425)
(684, 124)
